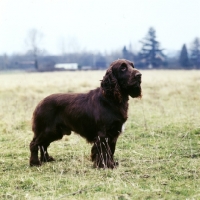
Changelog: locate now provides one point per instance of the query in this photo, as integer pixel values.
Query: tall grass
(159, 151)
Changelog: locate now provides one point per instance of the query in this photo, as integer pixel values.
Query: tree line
(150, 56)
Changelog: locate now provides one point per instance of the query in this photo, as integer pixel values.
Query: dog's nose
(138, 75)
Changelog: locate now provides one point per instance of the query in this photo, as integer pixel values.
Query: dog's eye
(132, 65)
(123, 67)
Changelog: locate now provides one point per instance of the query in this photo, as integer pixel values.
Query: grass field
(159, 152)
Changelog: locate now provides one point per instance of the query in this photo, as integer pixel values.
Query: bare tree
(33, 40)
(73, 45)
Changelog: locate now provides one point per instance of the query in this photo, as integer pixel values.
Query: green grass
(159, 151)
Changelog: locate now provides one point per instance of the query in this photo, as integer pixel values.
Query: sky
(97, 25)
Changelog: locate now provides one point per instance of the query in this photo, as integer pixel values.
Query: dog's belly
(83, 127)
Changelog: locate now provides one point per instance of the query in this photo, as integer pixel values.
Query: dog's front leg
(102, 153)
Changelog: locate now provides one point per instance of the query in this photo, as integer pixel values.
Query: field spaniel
(97, 116)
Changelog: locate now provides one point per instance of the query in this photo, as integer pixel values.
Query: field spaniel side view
(97, 116)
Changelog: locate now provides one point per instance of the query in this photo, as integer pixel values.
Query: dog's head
(121, 80)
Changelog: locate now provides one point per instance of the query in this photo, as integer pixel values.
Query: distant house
(66, 66)
(86, 68)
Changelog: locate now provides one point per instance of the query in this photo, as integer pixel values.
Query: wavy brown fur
(97, 116)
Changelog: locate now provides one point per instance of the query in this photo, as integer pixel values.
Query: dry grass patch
(159, 152)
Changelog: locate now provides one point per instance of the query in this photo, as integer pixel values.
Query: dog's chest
(124, 112)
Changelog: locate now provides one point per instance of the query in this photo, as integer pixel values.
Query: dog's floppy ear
(110, 86)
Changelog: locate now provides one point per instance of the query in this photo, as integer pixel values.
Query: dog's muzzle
(138, 76)
(136, 80)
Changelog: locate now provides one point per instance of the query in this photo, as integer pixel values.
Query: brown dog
(97, 116)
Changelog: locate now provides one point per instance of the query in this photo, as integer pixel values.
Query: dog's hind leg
(41, 141)
(34, 161)
(44, 155)
(51, 134)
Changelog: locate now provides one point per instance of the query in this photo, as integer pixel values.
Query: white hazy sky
(98, 25)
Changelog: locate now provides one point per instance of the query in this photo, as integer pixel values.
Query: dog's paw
(47, 159)
(103, 165)
(36, 163)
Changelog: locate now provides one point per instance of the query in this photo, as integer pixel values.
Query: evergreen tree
(125, 53)
(195, 53)
(151, 54)
(183, 60)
